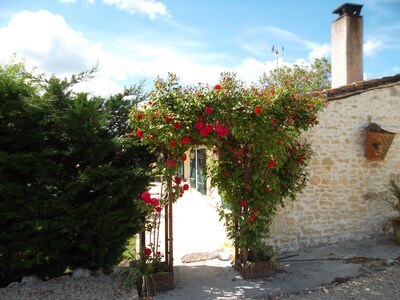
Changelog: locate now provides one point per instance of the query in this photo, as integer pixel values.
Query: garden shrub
(69, 177)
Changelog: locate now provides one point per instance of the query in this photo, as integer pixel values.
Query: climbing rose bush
(254, 133)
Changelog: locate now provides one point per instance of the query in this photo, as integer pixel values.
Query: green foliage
(395, 190)
(69, 177)
(300, 79)
(255, 135)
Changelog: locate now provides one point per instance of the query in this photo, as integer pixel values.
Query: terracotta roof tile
(360, 87)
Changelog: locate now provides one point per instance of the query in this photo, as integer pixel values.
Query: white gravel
(66, 287)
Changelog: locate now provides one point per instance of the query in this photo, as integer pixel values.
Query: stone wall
(332, 207)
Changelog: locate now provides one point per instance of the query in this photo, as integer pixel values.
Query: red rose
(139, 116)
(172, 143)
(185, 140)
(279, 141)
(243, 203)
(299, 145)
(292, 150)
(155, 202)
(146, 196)
(309, 106)
(170, 163)
(178, 125)
(226, 131)
(272, 91)
(158, 209)
(183, 158)
(199, 94)
(208, 110)
(185, 187)
(221, 130)
(273, 122)
(258, 110)
(218, 87)
(271, 164)
(246, 187)
(247, 103)
(147, 251)
(239, 152)
(199, 118)
(169, 119)
(203, 132)
(178, 180)
(209, 128)
(240, 109)
(267, 188)
(252, 216)
(199, 125)
(255, 209)
(139, 133)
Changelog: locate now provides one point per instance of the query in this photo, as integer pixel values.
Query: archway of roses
(254, 134)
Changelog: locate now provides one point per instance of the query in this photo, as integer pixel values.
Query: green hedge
(69, 179)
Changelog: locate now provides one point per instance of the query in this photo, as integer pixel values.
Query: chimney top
(348, 9)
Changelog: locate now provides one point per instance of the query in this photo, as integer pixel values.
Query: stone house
(332, 207)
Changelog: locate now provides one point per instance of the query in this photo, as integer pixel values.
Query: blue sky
(133, 40)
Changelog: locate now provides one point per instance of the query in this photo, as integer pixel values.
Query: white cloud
(319, 51)
(250, 70)
(48, 42)
(371, 47)
(149, 8)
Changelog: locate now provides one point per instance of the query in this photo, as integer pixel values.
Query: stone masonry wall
(332, 207)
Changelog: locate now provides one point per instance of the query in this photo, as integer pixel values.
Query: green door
(201, 176)
(198, 179)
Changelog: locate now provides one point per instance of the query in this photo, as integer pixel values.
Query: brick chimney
(347, 45)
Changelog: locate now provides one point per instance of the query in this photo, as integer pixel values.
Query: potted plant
(393, 198)
(148, 270)
(149, 273)
(261, 262)
(377, 142)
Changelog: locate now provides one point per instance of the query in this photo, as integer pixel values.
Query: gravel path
(378, 281)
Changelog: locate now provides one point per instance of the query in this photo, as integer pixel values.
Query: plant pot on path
(258, 269)
(158, 282)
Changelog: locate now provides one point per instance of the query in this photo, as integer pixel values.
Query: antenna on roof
(278, 52)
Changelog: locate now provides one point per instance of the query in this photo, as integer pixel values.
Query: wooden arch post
(169, 244)
(165, 281)
(168, 234)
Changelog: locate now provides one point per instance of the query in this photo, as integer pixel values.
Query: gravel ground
(378, 281)
(65, 287)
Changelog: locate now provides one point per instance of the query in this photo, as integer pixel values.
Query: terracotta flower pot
(158, 282)
(258, 269)
(377, 142)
